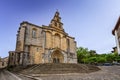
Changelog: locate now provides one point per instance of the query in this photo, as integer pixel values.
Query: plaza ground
(106, 73)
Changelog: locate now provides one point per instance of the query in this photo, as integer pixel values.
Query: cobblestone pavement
(106, 73)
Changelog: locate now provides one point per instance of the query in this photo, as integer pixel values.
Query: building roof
(114, 47)
(56, 19)
(116, 26)
(29, 23)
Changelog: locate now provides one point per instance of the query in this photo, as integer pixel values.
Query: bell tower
(56, 22)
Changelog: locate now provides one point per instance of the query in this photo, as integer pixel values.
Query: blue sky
(89, 21)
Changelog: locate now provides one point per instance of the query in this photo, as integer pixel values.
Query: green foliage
(110, 57)
(92, 53)
(91, 57)
(117, 58)
(92, 60)
(82, 54)
(101, 60)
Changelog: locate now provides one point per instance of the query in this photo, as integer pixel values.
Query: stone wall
(20, 39)
(3, 62)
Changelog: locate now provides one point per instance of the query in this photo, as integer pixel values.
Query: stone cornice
(33, 45)
(25, 22)
(56, 49)
(48, 28)
(59, 31)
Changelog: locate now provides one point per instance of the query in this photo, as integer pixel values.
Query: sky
(90, 21)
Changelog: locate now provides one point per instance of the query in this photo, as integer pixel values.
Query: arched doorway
(57, 57)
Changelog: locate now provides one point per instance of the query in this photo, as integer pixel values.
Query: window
(57, 41)
(2, 63)
(12, 54)
(58, 20)
(68, 44)
(34, 33)
(37, 49)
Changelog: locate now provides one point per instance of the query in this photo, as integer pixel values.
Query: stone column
(44, 45)
(60, 42)
(25, 60)
(44, 40)
(21, 57)
(53, 41)
(15, 59)
(117, 42)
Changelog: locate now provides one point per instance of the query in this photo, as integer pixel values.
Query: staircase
(49, 68)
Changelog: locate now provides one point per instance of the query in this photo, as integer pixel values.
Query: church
(43, 44)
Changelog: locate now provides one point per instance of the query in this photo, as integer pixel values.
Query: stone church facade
(43, 44)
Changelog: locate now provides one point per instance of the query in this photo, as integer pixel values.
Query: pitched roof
(116, 26)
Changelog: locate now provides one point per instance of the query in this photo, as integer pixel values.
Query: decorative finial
(57, 10)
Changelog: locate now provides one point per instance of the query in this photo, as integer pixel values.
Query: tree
(82, 53)
(117, 58)
(101, 60)
(110, 57)
(90, 56)
(92, 60)
(92, 53)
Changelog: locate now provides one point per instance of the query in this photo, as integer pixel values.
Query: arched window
(58, 20)
(57, 40)
(48, 39)
(34, 33)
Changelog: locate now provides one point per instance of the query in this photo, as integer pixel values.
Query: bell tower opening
(56, 22)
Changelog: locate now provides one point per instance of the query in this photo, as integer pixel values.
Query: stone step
(49, 68)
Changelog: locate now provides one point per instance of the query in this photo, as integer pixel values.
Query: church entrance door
(57, 57)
